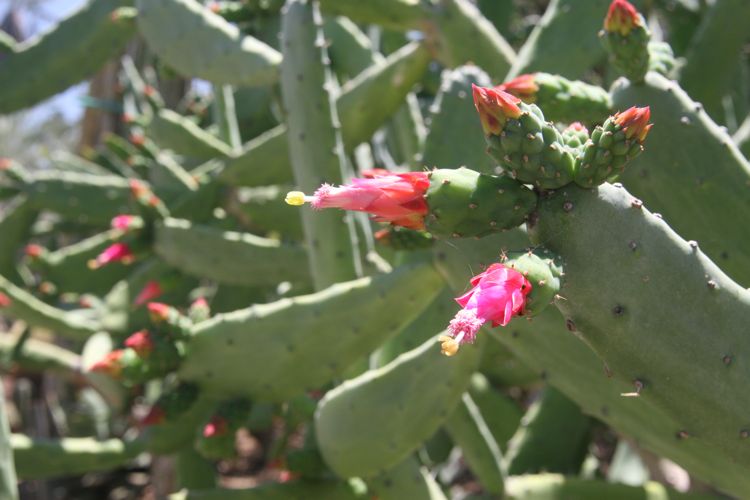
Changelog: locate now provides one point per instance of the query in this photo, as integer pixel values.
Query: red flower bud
(152, 290)
(141, 343)
(621, 17)
(158, 312)
(155, 416)
(522, 86)
(4, 300)
(494, 107)
(34, 251)
(110, 365)
(634, 121)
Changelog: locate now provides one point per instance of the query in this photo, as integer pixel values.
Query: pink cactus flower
(396, 198)
(4, 300)
(116, 252)
(152, 290)
(497, 295)
(494, 106)
(123, 222)
(140, 342)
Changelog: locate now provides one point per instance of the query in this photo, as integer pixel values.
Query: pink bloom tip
(621, 17)
(141, 343)
(116, 252)
(152, 290)
(217, 426)
(523, 86)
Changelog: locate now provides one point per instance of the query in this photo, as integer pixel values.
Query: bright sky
(49, 12)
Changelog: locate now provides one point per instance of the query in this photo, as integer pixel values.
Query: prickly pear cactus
(479, 298)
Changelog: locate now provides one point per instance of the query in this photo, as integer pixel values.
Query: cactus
(210, 48)
(158, 280)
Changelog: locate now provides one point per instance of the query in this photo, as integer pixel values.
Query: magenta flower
(125, 222)
(116, 252)
(4, 300)
(152, 290)
(497, 295)
(397, 198)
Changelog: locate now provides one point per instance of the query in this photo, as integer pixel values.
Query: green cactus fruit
(358, 432)
(454, 138)
(553, 436)
(661, 59)
(612, 146)
(39, 458)
(207, 252)
(547, 486)
(199, 43)
(465, 203)
(564, 40)
(279, 350)
(616, 317)
(470, 431)
(626, 37)
(576, 135)
(561, 99)
(529, 148)
(543, 271)
(74, 50)
(692, 173)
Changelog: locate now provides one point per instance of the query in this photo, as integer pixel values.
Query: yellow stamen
(448, 345)
(295, 198)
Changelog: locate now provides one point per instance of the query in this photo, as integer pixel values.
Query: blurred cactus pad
(375, 249)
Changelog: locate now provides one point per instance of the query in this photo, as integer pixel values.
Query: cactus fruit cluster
(172, 284)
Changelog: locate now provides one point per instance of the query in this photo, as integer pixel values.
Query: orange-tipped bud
(4, 300)
(137, 139)
(634, 121)
(143, 193)
(578, 127)
(494, 107)
(34, 251)
(524, 87)
(110, 365)
(152, 290)
(141, 343)
(158, 312)
(621, 18)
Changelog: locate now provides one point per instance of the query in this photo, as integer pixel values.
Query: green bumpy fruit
(465, 203)
(543, 274)
(605, 156)
(532, 150)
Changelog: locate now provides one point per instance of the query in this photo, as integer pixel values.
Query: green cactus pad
(173, 131)
(465, 203)
(199, 43)
(698, 380)
(70, 52)
(569, 101)
(278, 350)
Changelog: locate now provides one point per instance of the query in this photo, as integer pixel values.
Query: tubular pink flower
(123, 222)
(116, 252)
(497, 295)
(397, 198)
(152, 290)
